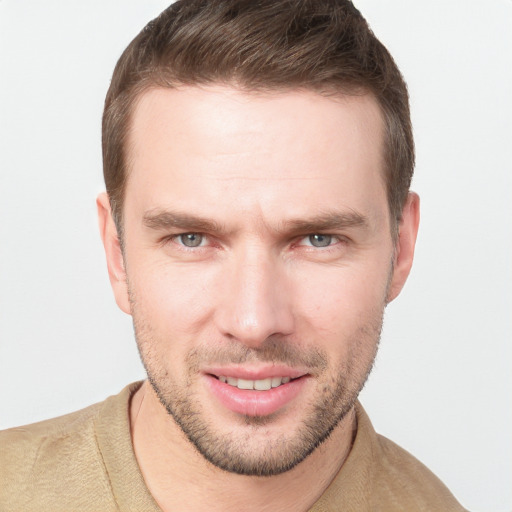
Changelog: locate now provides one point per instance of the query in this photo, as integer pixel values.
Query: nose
(256, 302)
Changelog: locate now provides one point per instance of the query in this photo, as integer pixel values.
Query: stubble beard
(337, 392)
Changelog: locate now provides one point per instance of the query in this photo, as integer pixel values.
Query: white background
(442, 387)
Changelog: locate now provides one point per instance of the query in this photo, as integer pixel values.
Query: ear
(404, 250)
(112, 245)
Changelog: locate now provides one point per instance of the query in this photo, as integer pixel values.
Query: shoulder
(399, 475)
(53, 462)
(26, 446)
(55, 427)
(389, 477)
(379, 476)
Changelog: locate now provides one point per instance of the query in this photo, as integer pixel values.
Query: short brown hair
(323, 45)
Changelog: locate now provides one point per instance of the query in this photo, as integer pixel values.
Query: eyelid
(174, 238)
(207, 240)
(335, 238)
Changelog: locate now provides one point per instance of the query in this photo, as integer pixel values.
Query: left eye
(319, 240)
(191, 239)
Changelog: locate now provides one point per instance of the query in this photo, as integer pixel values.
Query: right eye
(319, 240)
(191, 239)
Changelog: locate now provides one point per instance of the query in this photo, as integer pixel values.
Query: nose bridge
(255, 304)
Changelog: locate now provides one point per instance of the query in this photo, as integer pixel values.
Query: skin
(265, 173)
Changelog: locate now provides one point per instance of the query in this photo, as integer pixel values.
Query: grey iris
(191, 239)
(320, 240)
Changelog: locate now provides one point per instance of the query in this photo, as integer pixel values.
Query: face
(259, 260)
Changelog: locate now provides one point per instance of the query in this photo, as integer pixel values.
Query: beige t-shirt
(84, 462)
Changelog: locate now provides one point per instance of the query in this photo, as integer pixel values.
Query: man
(257, 220)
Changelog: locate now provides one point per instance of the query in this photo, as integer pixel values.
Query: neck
(179, 478)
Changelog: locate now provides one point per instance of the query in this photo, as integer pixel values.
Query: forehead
(201, 145)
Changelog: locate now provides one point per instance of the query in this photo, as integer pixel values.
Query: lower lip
(255, 403)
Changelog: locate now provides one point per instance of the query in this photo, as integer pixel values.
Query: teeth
(245, 384)
(276, 381)
(263, 384)
(259, 385)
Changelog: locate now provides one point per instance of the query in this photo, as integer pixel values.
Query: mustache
(271, 351)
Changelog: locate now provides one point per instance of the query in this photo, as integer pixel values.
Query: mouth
(257, 384)
(259, 396)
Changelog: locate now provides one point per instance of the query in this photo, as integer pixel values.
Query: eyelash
(336, 239)
(174, 239)
(333, 238)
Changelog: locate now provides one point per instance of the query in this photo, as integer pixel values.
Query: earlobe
(113, 252)
(408, 231)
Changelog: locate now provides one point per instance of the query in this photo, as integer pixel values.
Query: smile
(256, 397)
(258, 385)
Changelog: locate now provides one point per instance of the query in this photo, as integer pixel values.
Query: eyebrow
(324, 222)
(328, 221)
(165, 219)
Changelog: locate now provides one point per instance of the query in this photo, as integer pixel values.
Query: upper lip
(255, 373)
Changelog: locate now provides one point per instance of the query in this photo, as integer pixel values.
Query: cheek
(174, 301)
(342, 314)
(341, 301)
